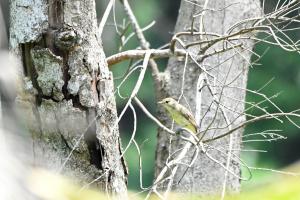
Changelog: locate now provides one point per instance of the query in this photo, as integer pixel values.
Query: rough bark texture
(66, 83)
(206, 176)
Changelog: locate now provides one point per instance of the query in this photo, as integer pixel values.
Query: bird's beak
(160, 102)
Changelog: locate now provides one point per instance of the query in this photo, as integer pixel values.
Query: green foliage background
(276, 64)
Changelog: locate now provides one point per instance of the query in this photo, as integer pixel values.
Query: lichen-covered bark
(206, 176)
(68, 90)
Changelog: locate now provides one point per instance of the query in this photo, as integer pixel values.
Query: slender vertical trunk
(67, 99)
(226, 71)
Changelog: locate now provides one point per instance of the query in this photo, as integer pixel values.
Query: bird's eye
(167, 101)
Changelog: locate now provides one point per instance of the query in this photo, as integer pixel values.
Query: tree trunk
(67, 99)
(207, 176)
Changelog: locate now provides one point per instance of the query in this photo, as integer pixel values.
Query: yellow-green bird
(180, 114)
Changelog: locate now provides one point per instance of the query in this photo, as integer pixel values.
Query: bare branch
(138, 54)
(263, 117)
(144, 109)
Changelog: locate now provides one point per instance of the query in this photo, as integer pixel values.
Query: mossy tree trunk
(67, 99)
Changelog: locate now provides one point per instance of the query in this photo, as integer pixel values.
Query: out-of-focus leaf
(50, 186)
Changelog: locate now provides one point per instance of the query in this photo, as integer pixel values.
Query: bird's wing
(188, 115)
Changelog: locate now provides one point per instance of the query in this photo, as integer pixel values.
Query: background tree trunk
(206, 176)
(66, 84)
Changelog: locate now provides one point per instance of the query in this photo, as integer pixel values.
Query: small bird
(180, 114)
